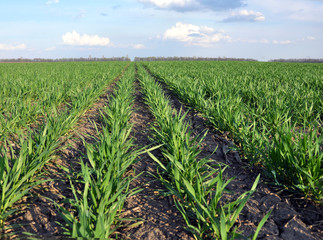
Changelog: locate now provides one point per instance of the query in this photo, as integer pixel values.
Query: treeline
(150, 59)
(300, 60)
(90, 59)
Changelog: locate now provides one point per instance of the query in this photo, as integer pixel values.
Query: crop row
(104, 181)
(272, 111)
(273, 116)
(196, 185)
(21, 167)
(29, 91)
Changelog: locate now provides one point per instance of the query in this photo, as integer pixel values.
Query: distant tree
(300, 60)
(138, 59)
(66, 59)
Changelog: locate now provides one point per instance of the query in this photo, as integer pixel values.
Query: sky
(258, 29)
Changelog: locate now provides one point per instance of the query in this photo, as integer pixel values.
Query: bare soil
(293, 217)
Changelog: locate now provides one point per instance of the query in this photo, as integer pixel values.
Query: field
(161, 150)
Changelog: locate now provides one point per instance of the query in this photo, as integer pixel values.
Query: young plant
(196, 185)
(104, 180)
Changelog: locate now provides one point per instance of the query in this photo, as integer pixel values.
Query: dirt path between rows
(293, 217)
(161, 220)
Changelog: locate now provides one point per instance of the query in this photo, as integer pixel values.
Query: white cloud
(52, 2)
(74, 38)
(193, 5)
(195, 35)
(310, 38)
(10, 47)
(138, 46)
(282, 42)
(245, 16)
(168, 3)
(261, 41)
(265, 41)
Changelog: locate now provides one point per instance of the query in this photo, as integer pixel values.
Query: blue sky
(260, 29)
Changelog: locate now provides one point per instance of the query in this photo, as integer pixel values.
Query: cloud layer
(193, 5)
(9, 47)
(245, 16)
(194, 35)
(75, 39)
(138, 46)
(284, 42)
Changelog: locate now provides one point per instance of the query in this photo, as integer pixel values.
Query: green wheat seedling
(105, 183)
(196, 185)
(23, 170)
(256, 104)
(39, 95)
(298, 162)
(16, 178)
(99, 204)
(31, 90)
